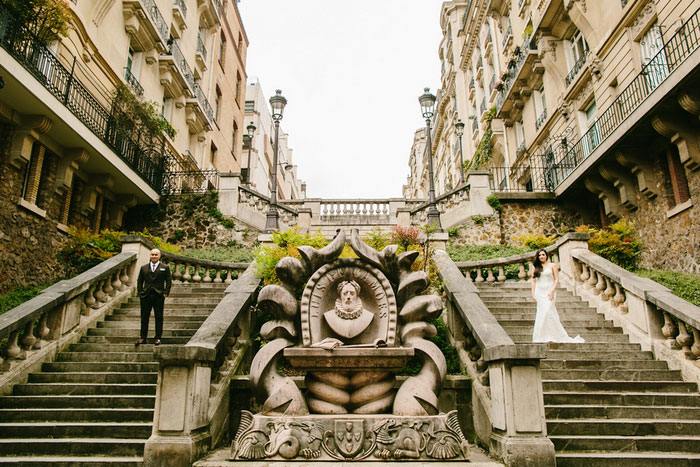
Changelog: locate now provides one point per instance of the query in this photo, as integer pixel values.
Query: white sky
(352, 72)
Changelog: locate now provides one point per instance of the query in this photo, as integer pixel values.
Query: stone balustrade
(192, 396)
(41, 327)
(355, 210)
(507, 398)
(186, 269)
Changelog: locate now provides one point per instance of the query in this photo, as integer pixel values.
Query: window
(540, 107)
(222, 49)
(212, 154)
(654, 61)
(250, 106)
(217, 104)
(235, 138)
(166, 109)
(589, 128)
(576, 51)
(519, 133)
(240, 44)
(679, 182)
(35, 176)
(238, 87)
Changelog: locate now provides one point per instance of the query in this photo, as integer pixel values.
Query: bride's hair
(538, 264)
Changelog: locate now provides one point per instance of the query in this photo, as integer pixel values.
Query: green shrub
(686, 286)
(286, 244)
(536, 242)
(404, 237)
(19, 295)
(494, 202)
(448, 350)
(478, 220)
(483, 252)
(377, 239)
(453, 231)
(234, 254)
(618, 243)
(178, 234)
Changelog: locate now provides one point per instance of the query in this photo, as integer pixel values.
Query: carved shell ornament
(368, 307)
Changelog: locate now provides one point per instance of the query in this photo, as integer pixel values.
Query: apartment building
(259, 156)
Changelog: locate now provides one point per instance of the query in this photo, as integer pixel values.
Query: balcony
(210, 11)
(492, 88)
(175, 73)
(576, 68)
(525, 73)
(200, 114)
(472, 89)
(488, 44)
(541, 119)
(133, 82)
(145, 24)
(180, 14)
(68, 91)
(508, 37)
(479, 67)
(200, 55)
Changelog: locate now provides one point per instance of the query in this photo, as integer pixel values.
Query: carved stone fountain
(359, 320)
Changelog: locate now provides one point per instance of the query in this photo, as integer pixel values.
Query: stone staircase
(93, 406)
(607, 402)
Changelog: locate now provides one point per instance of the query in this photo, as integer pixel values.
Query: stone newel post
(479, 190)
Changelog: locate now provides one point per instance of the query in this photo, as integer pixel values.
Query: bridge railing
(38, 328)
(508, 409)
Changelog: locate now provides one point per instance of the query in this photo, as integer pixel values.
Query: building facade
(593, 102)
(257, 169)
(97, 121)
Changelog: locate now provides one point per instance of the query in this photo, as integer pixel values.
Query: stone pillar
(228, 194)
(395, 204)
(519, 434)
(180, 421)
(304, 220)
(142, 247)
(570, 242)
(438, 240)
(479, 190)
(403, 216)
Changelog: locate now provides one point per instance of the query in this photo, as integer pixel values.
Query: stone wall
(190, 221)
(28, 242)
(527, 214)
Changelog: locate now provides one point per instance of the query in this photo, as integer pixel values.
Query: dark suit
(153, 287)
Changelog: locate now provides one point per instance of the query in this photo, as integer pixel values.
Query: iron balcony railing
(191, 181)
(38, 60)
(471, 83)
(475, 124)
(540, 119)
(133, 82)
(520, 57)
(200, 46)
(479, 62)
(527, 178)
(507, 35)
(482, 106)
(206, 107)
(157, 18)
(182, 64)
(684, 42)
(576, 68)
(181, 5)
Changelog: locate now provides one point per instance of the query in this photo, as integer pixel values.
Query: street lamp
(427, 106)
(277, 103)
(459, 128)
(251, 131)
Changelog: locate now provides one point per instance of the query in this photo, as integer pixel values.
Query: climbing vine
(485, 149)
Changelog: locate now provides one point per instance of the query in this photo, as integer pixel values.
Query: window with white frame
(653, 55)
(540, 104)
(519, 133)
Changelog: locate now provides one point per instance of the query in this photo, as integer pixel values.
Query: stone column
(479, 190)
(570, 242)
(228, 194)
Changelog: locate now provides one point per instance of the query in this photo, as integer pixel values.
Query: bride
(545, 279)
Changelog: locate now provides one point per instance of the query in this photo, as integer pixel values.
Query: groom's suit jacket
(158, 280)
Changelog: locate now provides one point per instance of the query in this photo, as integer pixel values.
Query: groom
(153, 286)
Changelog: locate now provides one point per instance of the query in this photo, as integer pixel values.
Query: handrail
(254, 193)
(461, 189)
(189, 269)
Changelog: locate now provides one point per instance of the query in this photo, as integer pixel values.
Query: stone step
(620, 386)
(95, 378)
(572, 329)
(584, 321)
(612, 375)
(623, 427)
(131, 339)
(128, 348)
(168, 314)
(168, 325)
(532, 306)
(136, 317)
(89, 366)
(593, 347)
(591, 364)
(629, 398)
(76, 415)
(586, 354)
(525, 292)
(594, 443)
(174, 306)
(51, 429)
(509, 284)
(30, 389)
(553, 412)
(527, 301)
(124, 357)
(72, 461)
(134, 331)
(78, 402)
(72, 446)
(590, 338)
(632, 459)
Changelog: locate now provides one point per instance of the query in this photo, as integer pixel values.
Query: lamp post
(277, 103)
(251, 131)
(427, 105)
(459, 128)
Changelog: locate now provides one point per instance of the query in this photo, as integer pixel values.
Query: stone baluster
(186, 276)
(468, 274)
(13, 351)
(125, 279)
(482, 367)
(90, 300)
(555, 258)
(99, 294)
(196, 278)
(217, 279)
(116, 282)
(522, 275)
(28, 340)
(695, 348)
(207, 275)
(107, 288)
(620, 298)
(592, 280)
(177, 275)
(669, 330)
(585, 274)
(684, 339)
(41, 331)
(489, 277)
(501, 274)
(229, 276)
(479, 278)
(609, 290)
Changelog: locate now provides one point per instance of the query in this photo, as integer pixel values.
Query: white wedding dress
(548, 328)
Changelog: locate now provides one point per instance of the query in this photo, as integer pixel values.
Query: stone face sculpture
(359, 320)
